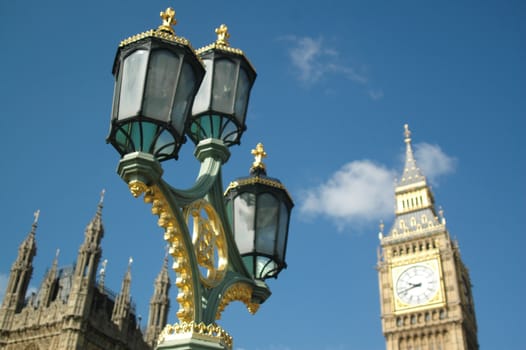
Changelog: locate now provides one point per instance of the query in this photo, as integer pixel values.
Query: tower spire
(84, 276)
(159, 304)
(412, 174)
(20, 276)
(415, 207)
(121, 310)
(90, 250)
(47, 290)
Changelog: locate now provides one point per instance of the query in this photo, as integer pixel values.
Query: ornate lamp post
(223, 248)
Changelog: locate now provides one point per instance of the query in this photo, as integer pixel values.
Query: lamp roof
(258, 175)
(222, 44)
(165, 31)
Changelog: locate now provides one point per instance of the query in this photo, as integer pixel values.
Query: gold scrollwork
(211, 331)
(173, 235)
(209, 241)
(237, 292)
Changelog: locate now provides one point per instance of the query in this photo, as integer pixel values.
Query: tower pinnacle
(412, 174)
(21, 272)
(413, 195)
(159, 305)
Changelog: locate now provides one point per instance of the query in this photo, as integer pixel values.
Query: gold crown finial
(168, 17)
(259, 153)
(407, 133)
(222, 35)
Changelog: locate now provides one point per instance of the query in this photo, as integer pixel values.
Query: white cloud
(3, 285)
(313, 59)
(307, 56)
(362, 192)
(433, 161)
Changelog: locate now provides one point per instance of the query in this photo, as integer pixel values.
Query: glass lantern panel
(224, 86)
(116, 95)
(264, 267)
(266, 223)
(165, 143)
(243, 88)
(149, 131)
(282, 233)
(209, 126)
(135, 136)
(121, 137)
(244, 215)
(160, 85)
(202, 99)
(183, 98)
(132, 84)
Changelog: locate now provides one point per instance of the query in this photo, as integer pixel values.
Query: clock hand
(413, 285)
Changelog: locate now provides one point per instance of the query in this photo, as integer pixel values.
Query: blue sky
(337, 80)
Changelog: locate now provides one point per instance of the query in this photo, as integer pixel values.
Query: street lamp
(224, 245)
(156, 77)
(220, 106)
(259, 208)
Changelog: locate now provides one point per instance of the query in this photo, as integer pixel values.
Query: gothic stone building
(72, 310)
(425, 288)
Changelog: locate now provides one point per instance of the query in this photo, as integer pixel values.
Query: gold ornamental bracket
(175, 237)
(239, 291)
(209, 240)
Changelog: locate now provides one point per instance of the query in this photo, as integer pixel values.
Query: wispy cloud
(433, 161)
(313, 59)
(362, 191)
(308, 56)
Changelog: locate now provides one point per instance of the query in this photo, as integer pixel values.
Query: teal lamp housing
(220, 107)
(157, 75)
(259, 209)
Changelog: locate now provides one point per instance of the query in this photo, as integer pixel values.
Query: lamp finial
(168, 17)
(259, 153)
(222, 35)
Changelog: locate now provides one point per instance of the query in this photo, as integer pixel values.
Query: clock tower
(425, 289)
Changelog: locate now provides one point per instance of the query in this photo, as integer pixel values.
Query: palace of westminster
(425, 289)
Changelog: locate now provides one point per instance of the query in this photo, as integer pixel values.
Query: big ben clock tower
(425, 289)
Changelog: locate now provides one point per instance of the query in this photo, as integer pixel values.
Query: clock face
(417, 284)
